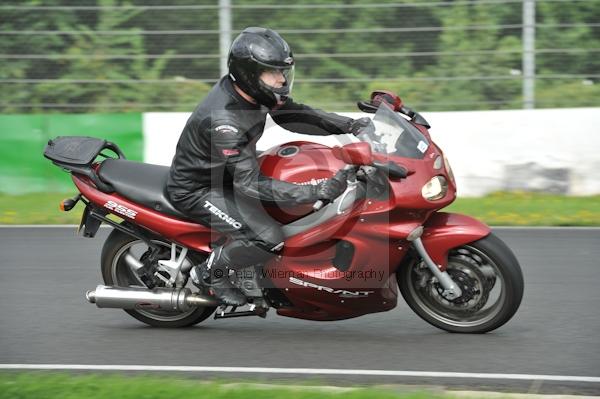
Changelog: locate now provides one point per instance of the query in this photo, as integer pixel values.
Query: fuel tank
(298, 162)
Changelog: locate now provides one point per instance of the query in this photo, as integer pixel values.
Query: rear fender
(445, 231)
(90, 224)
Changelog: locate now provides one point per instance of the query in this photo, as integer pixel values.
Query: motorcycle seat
(141, 183)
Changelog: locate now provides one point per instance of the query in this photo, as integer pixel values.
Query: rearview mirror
(354, 153)
(388, 97)
(381, 96)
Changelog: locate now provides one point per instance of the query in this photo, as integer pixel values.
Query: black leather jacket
(217, 148)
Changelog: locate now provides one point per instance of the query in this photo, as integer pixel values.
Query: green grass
(44, 385)
(507, 209)
(528, 209)
(38, 208)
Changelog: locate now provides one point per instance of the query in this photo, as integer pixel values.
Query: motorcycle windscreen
(394, 135)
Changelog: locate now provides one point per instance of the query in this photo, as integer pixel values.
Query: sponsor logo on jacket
(231, 152)
(226, 129)
(222, 215)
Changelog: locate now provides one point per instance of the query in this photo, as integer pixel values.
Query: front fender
(444, 231)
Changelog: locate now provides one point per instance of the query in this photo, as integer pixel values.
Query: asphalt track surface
(44, 273)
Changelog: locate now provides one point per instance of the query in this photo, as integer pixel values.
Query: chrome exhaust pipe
(169, 299)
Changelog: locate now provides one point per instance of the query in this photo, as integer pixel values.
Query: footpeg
(254, 311)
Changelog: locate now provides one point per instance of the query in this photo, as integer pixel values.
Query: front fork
(451, 289)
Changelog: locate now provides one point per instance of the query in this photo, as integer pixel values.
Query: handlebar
(390, 168)
(349, 168)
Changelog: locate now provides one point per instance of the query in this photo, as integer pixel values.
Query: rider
(215, 177)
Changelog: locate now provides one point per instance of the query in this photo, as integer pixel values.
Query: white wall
(555, 150)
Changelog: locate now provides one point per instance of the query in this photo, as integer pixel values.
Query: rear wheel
(489, 276)
(119, 251)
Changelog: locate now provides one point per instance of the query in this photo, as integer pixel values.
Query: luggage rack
(76, 154)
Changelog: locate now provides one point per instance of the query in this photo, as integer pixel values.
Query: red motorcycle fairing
(406, 193)
(321, 291)
(377, 229)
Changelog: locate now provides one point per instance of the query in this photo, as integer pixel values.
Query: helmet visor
(278, 79)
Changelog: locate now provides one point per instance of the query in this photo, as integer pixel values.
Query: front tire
(490, 278)
(116, 272)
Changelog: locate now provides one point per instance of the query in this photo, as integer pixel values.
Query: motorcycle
(340, 260)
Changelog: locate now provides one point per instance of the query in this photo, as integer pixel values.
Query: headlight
(435, 189)
(449, 169)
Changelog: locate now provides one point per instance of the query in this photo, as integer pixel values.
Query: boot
(214, 274)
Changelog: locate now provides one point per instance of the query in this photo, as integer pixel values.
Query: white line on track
(273, 370)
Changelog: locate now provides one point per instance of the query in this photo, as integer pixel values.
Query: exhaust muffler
(169, 299)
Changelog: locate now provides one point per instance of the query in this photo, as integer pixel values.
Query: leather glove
(361, 125)
(330, 189)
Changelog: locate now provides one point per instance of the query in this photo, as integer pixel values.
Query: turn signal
(68, 204)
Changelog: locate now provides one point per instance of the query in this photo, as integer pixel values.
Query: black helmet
(254, 51)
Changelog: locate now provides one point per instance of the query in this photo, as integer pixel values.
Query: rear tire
(115, 272)
(487, 267)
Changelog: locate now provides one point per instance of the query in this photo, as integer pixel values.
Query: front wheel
(489, 276)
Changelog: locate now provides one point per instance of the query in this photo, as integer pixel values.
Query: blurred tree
(27, 68)
(473, 69)
(585, 61)
(468, 53)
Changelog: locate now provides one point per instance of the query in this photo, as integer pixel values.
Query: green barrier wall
(23, 167)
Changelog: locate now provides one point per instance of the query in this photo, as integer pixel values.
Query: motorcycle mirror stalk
(360, 154)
